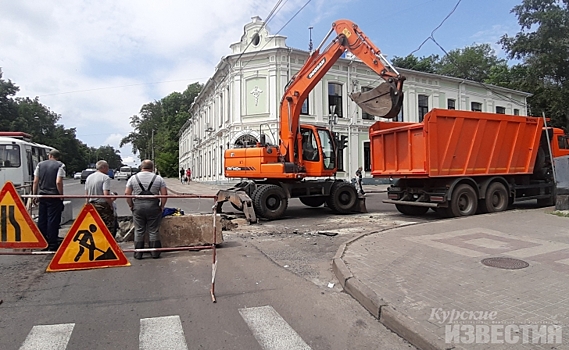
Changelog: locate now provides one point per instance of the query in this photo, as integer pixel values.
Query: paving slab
(439, 295)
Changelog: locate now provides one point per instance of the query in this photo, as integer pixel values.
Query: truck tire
(270, 202)
(313, 202)
(343, 198)
(464, 201)
(411, 209)
(497, 198)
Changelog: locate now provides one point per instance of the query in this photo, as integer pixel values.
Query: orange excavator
(276, 173)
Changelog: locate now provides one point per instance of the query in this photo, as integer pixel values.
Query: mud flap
(383, 101)
(360, 206)
(240, 200)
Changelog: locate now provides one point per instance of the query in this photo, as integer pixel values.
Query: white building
(241, 101)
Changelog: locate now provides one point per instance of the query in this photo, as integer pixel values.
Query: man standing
(99, 183)
(182, 172)
(359, 176)
(48, 180)
(146, 213)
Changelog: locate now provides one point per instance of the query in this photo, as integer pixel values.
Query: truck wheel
(464, 201)
(270, 202)
(411, 209)
(312, 201)
(343, 198)
(497, 198)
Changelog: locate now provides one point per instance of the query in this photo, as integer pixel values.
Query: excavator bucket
(383, 101)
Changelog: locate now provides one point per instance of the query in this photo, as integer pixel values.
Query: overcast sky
(96, 62)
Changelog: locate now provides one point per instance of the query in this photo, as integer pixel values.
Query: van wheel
(464, 201)
(497, 198)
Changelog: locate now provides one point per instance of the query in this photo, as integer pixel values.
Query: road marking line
(271, 330)
(162, 333)
(48, 337)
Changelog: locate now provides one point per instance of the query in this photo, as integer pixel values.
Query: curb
(405, 327)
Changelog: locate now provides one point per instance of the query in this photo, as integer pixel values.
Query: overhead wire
(121, 86)
(277, 33)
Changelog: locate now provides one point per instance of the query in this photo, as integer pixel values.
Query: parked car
(77, 176)
(85, 173)
(111, 173)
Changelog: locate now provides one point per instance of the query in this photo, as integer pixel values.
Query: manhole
(505, 263)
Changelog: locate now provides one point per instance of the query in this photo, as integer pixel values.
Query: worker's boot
(138, 245)
(155, 244)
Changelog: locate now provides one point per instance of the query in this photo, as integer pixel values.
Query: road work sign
(17, 229)
(88, 245)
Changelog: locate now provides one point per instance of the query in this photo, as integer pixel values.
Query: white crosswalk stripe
(162, 333)
(48, 337)
(271, 330)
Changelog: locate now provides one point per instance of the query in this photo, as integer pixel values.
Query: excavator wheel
(343, 197)
(270, 202)
(314, 202)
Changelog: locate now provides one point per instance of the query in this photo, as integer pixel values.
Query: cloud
(97, 62)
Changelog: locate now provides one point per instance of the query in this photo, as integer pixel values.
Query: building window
(500, 110)
(423, 106)
(305, 107)
(367, 157)
(335, 98)
(364, 114)
(476, 106)
(451, 104)
(516, 111)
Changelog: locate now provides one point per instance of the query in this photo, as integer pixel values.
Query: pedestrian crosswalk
(270, 330)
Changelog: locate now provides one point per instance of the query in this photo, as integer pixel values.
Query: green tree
(7, 106)
(157, 127)
(542, 45)
(422, 64)
(472, 62)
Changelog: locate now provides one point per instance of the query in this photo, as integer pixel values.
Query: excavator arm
(384, 101)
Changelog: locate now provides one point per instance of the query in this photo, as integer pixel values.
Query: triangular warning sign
(17, 229)
(87, 245)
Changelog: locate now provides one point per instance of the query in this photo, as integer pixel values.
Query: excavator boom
(383, 101)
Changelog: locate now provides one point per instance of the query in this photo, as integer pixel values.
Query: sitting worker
(309, 152)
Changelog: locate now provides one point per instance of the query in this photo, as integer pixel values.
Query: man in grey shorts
(146, 213)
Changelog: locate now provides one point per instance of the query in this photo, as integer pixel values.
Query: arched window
(246, 141)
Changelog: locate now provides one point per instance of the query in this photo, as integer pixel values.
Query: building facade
(241, 101)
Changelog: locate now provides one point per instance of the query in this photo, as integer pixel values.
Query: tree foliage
(474, 62)
(542, 45)
(30, 116)
(156, 129)
(421, 64)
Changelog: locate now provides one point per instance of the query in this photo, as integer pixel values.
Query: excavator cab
(318, 155)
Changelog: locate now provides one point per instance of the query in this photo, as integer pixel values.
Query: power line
(120, 86)
(277, 33)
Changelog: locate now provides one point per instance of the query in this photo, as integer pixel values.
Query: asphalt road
(274, 291)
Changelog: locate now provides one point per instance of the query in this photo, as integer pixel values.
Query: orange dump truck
(460, 163)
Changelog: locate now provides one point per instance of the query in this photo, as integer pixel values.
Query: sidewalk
(425, 281)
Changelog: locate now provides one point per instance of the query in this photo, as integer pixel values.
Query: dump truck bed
(455, 143)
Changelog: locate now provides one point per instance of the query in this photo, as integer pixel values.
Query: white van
(124, 173)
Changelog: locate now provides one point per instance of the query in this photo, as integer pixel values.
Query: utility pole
(153, 147)
(310, 47)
